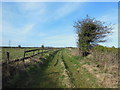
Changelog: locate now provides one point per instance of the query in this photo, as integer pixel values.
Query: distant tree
(113, 47)
(42, 46)
(19, 46)
(90, 31)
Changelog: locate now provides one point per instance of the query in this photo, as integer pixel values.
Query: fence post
(8, 60)
(8, 57)
(24, 56)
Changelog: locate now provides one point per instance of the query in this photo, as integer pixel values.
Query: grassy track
(80, 77)
(50, 75)
(60, 70)
(53, 75)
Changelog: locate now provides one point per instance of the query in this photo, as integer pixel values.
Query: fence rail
(8, 61)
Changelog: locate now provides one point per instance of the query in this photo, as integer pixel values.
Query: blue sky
(51, 24)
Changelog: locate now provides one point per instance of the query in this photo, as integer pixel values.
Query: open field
(16, 53)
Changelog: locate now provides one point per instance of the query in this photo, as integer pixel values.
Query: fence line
(24, 57)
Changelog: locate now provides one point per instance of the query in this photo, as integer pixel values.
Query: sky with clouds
(51, 23)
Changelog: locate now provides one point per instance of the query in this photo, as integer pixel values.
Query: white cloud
(9, 28)
(26, 29)
(60, 12)
(31, 10)
(31, 6)
(41, 34)
(16, 35)
(65, 10)
(109, 16)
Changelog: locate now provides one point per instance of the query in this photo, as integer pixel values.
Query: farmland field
(15, 53)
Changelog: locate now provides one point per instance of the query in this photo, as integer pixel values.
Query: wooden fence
(8, 61)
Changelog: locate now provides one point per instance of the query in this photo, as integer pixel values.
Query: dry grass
(103, 65)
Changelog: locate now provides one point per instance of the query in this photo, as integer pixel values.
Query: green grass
(33, 76)
(50, 74)
(16, 53)
(81, 78)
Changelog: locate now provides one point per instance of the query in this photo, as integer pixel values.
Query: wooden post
(24, 56)
(7, 61)
(8, 58)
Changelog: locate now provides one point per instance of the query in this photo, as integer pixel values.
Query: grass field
(16, 53)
